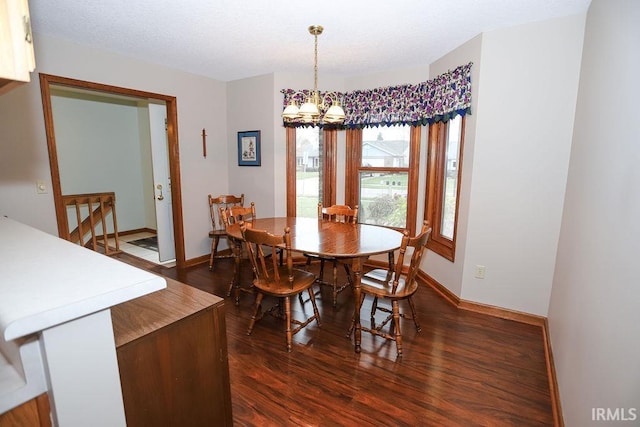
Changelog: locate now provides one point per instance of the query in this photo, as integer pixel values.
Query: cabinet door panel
(17, 58)
(178, 375)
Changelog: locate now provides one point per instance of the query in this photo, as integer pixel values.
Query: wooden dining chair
(335, 213)
(394, 285)
(218, 228)
(276, 279)
(234, 215)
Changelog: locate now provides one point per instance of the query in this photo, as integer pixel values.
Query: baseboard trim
(203, 259)
(515, 316)
(556, 407)
(445, 293)
(502, 313)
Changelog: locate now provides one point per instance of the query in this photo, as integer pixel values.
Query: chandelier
(309, 111)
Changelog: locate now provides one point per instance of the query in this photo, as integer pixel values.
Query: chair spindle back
(418, 244)
(338, 213)
(235, 214)
(223, 201)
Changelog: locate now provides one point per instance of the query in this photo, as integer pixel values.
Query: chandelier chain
(315, 65)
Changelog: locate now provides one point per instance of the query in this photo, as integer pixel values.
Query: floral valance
(439, 99)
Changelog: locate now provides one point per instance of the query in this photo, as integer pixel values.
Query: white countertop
(46, 281)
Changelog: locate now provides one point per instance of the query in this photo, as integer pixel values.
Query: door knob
(160, 197)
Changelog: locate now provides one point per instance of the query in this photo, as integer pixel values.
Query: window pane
(386, 147)
(451, 178)
(383, 199)
(308, 171)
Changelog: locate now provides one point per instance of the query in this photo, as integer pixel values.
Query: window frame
(354, 168)
(329, 159)
(434, 198)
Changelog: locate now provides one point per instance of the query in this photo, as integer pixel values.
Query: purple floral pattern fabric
(438, 99)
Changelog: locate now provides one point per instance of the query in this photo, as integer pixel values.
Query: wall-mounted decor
(249, 148)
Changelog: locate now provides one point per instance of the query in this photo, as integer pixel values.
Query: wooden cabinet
(172, 354)
(17, 58)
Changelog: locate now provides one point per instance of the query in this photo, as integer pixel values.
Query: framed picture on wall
(249, 148)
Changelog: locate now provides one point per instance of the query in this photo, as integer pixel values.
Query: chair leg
(235, 281)
(413, 314)
(287, 310)
(258, 302)
(396, 322)
(235, 270)
(307, 265)
(353, 318)
(321, 272)
(312, 297)
(318, 279)
(374, 307)
(214, 250)
(335, 283)
(348, 272)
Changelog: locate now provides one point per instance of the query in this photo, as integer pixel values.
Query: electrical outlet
(480, 271)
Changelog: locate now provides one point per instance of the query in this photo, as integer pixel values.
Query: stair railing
(92, 211)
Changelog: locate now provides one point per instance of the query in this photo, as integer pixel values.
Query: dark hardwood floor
(463, 369)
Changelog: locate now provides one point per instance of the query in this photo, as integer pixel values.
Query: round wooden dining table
(332, 239)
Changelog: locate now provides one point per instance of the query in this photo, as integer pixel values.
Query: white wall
(594, 311)
(250, 108)
(524, 119)
(97, 142)
(201, 104)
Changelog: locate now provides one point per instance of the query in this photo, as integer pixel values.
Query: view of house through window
(384, 175)
(451, 178)
(446, 140)
(308, 171)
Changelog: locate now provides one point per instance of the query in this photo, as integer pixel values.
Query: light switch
(41, 186)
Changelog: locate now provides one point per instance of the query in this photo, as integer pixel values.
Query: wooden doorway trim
(172, 136)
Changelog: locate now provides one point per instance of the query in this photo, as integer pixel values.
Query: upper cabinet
(17, 59)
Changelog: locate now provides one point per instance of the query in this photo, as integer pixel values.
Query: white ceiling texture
(233, 39)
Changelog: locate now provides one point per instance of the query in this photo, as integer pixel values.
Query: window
(382, 175)
(310, 170)
(443, 184)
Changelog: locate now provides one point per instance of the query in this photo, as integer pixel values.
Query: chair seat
(219, 233)
(375, 283)
(302, 280)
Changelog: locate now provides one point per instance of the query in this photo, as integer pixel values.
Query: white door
(162, 181)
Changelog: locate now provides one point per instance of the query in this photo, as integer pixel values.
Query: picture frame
(249, 148)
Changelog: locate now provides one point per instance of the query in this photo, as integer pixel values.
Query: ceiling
(234, 39)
